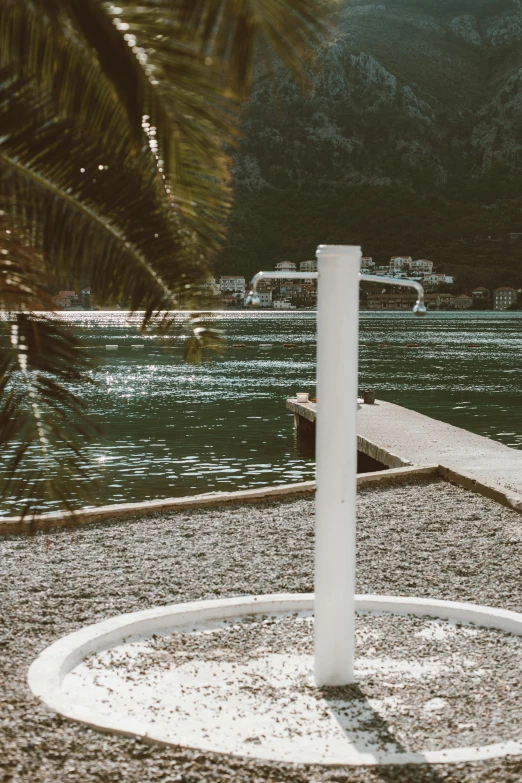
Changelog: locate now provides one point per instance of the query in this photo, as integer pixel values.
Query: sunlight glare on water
(172, 429)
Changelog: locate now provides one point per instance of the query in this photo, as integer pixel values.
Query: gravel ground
(428, 539)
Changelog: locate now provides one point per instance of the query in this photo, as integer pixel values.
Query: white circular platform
(263, 706)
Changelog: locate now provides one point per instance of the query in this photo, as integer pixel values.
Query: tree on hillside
(114, 125)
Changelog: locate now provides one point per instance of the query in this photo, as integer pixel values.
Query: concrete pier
(397, 437)
(304, 420)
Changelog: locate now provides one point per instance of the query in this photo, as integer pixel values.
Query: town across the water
(230, 291)
(295, 294)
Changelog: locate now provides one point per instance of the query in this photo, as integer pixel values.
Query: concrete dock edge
(59, 519)
(499, 494)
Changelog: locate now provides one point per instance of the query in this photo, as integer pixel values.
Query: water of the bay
(172, 429)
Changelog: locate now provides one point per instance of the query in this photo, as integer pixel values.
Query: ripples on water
(172, 429)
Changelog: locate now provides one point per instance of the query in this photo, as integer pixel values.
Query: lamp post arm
(419, 308)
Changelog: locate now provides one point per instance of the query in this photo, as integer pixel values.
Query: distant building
(267, 284)
(290, 287)
(231, 300)
(435, 278)
(367, 264)
(405, 264)
(234, 284)
(66, 299)
(286, 266)
(299, 292)
(463, 302)
(307, 266)
(391, 301)
(85, 298)
(480, 294)
(504, 297)
(398, 263)
(422, 266)
(265, 298)
(445, 300)
(439, 301)
(283, 304)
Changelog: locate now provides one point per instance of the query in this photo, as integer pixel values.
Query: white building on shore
(286, 266)
(232, 284)
(400, 263)
(422, 266)
(438, 278)
(406, 264)
(284, 304)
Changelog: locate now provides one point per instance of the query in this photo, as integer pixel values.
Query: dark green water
(171, 429)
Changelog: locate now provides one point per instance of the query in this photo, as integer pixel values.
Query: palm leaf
(204, 341)
(106, 221)
(112, 168)
(43, 422)
(23, 278)
(38, 41)
(186, 111)
(74, 52)
(233, 31)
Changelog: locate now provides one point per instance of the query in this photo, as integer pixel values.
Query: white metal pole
(336, 460)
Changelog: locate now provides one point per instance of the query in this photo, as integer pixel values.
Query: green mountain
(409, 143)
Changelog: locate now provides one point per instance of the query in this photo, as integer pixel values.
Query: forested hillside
(409, 142)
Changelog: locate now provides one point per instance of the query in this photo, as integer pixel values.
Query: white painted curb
(48, 671)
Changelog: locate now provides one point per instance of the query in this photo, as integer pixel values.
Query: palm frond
(157, 69)
(93, 213)
(113, 131)
(204, 342)
(38, 41)
(233, 30)
(181, 117)
(189, 115)
(23, 278)
(43, 422)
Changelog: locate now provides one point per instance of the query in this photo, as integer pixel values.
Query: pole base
(235, 676)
